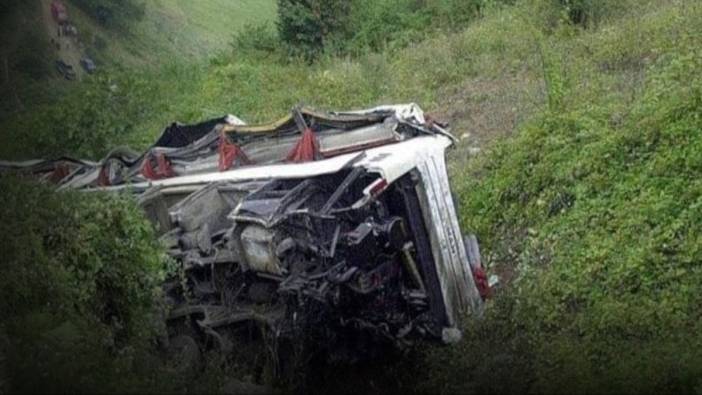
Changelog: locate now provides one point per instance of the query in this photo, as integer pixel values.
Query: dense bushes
(596, 206)
(583, 13)
(79, 125)
(306, 26)
(80, 288)
(255, 38)
(312, 27)
(592, 210)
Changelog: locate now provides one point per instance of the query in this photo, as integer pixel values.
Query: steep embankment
(154, 34)
(165, 31)
(585, 195)
(63, 47)
(454, 75)
(593, 209)
(23, 52)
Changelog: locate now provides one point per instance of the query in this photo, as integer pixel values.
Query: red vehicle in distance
(58, 12)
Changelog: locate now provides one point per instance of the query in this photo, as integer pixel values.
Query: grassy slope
(439, 74)
(171, 31)
(25, 52)
(187, 31)
(595, 205)
(592, 207)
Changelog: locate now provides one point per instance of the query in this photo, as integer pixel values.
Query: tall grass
(586, 194)
(591, 211)
(260, 87)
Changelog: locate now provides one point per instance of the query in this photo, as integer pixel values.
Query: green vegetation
(309, 28)
(118, 35)
(22, 52)
(586, 196)
(116, 14)
(306, 26)
(80, 283)
(79, 125)
(138, 33)
(596, 205)
(256, 84)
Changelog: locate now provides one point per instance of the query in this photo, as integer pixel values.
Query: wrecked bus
(325, 223)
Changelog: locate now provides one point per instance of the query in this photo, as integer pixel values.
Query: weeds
(590, 210)
(606, 297)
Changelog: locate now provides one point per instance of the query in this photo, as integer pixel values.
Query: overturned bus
(324, 223)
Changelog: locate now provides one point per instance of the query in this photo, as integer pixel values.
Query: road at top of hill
(67, 48)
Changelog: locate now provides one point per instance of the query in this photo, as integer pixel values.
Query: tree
(307, 26)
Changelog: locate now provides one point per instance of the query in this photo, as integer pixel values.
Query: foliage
(598, 197)
(255, 38)
(80, 126)
(143, 101)
(23, 49)
(306, 26)
(309, 28)
(9, 6)
(583, 13)
(80, 288)
(591, 209)
(378, 24)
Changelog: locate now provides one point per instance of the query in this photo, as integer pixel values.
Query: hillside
(158, 33)
(186, 31)
(578, 167)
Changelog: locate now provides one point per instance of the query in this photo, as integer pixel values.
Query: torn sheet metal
(335, 222)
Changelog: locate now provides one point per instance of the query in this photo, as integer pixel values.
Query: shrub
(373, 25)
(80, 288)
(306, 26)
(377, 24)
(78, 124)
(255, 38)
(594, 205)
(582, 13)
